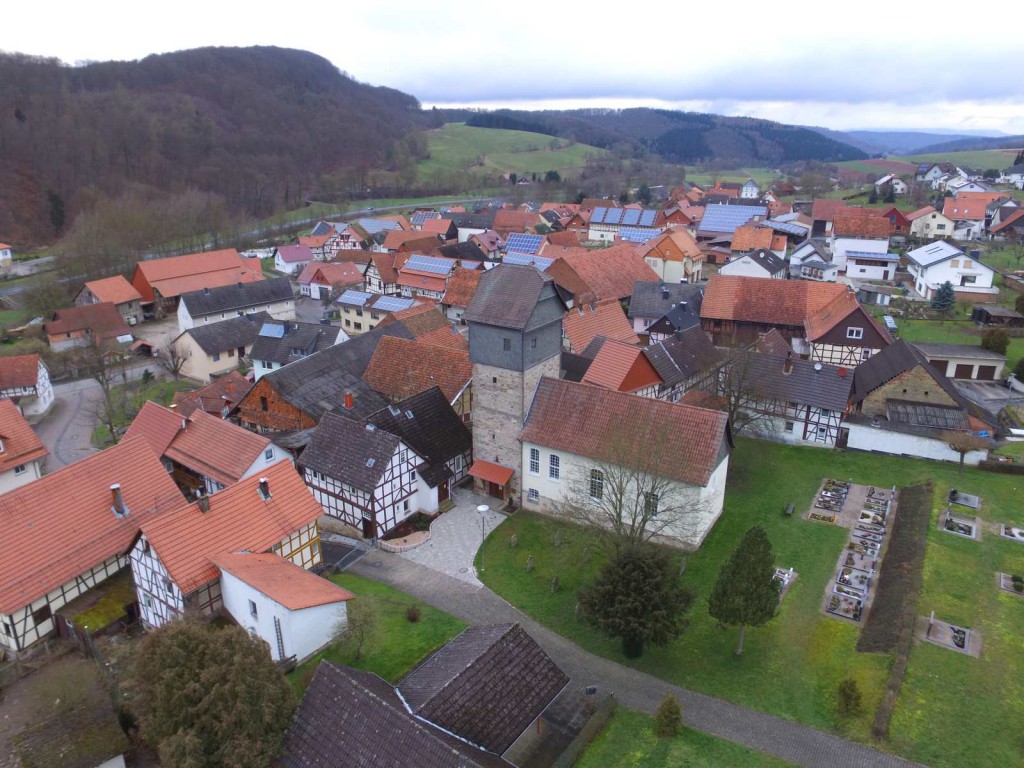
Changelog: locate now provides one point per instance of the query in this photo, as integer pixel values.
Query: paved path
(799, 744)
(456, 536)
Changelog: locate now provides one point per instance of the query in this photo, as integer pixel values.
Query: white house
(927, 222)
(760, 263)
(21, 450)
(6, 255)
(842, 246)
(750, 190)
(1013, 175)
(25, 379)
(581, 454)
(898, 185)
(292, 610)
(213, 305)
(871, 265)
(292, 259)
(936, 263)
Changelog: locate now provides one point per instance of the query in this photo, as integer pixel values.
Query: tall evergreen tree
(746, 592)
(944, 300)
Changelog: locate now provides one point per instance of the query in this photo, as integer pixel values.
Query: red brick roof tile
(753, 300)
(19, 444)
(752, 237)
(461, 287)
(622, 367)
(401, 368)
(103, 320)
(608, 273)
(605, 318)
(180, 274)
(223, 391)
(860, 224)
(281, 580)
(114, 289)
(19, 371)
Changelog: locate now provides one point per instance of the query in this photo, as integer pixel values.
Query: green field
(458, 147)
(792, 666)
(982, 159)
(763, 176)
(954, 332)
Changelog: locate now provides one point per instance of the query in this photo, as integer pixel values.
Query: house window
(231, 353)
(358, 326)
(20, 469)
(789, 426)
(651, 504)
(269, 454)
(533, 343)
(215, 356)
(940, 226)
(821, 433)
(252, 610)
(7, 628)
(168, 586)
(147, 600)
(534, 496)
(855, 333)
(263, 402)
(348, 323)
(506, 345)
(866, 354)
(41, 615)
(534, 461)
(494, 379)
(596, 484)
(554, 467)
(967, 264)
(955, 263)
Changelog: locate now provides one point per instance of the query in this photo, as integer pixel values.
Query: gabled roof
(897, 358)
(61, 525)
(19, 372)
(401, 368)
(102, 320)
(622, 367)
(605, 318)
(295, 254)
(356, 714)
(412, 240)
(921, 212)
(462, 252)
(114, 289)
(431, 427)
(751, 237)
(861, 225)
(19, 444)
(653, 298)
(825, 210)
(228, 334)
(281, 580)
(179, 274)
(487, 685)
(772, 343)
(664, 439)
(608, 273)
(933, 253)
(223, 392)
(507, 296)
(962, 207)
(285, 341)
(230, 298)
(332, 272)
(808, 383)
(826, 318)
(677, 358)
(428, 325)
(755, 300)
(1014, 220)
(461, 287)
(726, 218)
(349, 452)
(766, 260)
(240, 520)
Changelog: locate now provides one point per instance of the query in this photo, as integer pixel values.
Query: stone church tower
(515, 338)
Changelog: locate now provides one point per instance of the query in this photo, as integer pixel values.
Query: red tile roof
(315, 241)
(19, 371)
(114, 289)
(156, 425)
(962, 207)
(240, 520)
(385, 264)
(295, 254)
(608, 273)
(622, 367)
(19, 444)
(103, 320)
(281, 580)
(461, 287)
(826, 210)
(752, 237)
(860, 224)
(753, 300)
(223, 391)
(566, 238)
(428, 325)
(401, 368)
(674, 245)
(181, 274)
(333, 273)
(605, 318)
(399, 239)
(920, 212)
(701, 399)
(1009, 221)
(492, 473)
(61, 525)
(669, 440)
(515, 221)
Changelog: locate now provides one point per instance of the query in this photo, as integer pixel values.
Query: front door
(495, 490)
(444, 491)
(369, 528)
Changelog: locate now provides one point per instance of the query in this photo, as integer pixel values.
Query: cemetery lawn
(398, 644)
(792, 666)
(629, 740)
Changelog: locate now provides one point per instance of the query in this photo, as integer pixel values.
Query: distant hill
(901, 142)
(255, 125)
(973, 143)
(680, 137)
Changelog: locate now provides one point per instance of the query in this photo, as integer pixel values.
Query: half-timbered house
(842, 333)
(361, 475)
(684, 361)
(623, 368)
(173, 557)
(68, 531)
(25, 379)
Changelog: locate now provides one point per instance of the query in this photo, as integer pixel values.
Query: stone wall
(915, 385)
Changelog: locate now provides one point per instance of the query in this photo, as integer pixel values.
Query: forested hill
(254, 125)
(681, 137)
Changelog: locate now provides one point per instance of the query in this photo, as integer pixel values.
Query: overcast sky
(871, 64)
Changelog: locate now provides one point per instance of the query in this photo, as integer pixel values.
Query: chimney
(206, 291)
(172, 406)
(204, 503)
(117, 504)
(264, 488)
(349, 401)
(664, 292)
(842, 372)
(787, 366)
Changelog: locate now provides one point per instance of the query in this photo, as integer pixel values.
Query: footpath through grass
(398, 644)
(792, 666)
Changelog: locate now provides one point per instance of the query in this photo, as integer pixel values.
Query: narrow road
(799, 744)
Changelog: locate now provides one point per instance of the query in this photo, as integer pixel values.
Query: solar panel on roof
(647, 218)
(630, 217)
(782, 226)
(528, 260)
(429, 264)
(392, 304)
(638, 234)
(725, 218)
(421, 216)
(521, 242)
(357, 298)
(272, 331)
(890, 323)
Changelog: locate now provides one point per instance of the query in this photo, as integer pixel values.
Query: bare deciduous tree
(744, 399)
(105, 364)
(963, 443)
(172, 359)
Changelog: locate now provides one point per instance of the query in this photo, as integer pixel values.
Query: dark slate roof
(895, 359)
(317, 384)
(299, 340)
(767, 260)
(230, 298)
(765, 377)
(350, 717)
(466, 251)
(681, 317)
(435, 431)
(649, 299)
(678, 358)
(228, 334)
(507, 296)
(350, 452)
(487, 685)
(574, 367)
(473, 220)
(975, 351)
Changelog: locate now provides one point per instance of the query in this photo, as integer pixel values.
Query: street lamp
(483, 509)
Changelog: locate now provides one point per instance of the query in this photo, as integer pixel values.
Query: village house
(623, 368)
(114, 290)
(381, 275)
(857, 233)
(217, 397)
(292, 259)
(25, 379)
(580, 443)
(424, 276)
(213, 305)
(652, 300)
(927, 223)
(812, 260)
(685, 360)
(98, 324)
(608, 273)
(968, 214)
(203, 453)
(723, 220)
(280, 343)
(22, 453)
(173, 557)
(891, 182)
(161, 281)
(207, 351)
(675, 257)
(361, 311)
(321, 279)
(324, 246)
(965, 362)
(606, 223)
(761, 263)
(459, 292)
(939, 262)
(750, 190)
(68, 531)
(603, 318)
(751, 238)
(6, 256)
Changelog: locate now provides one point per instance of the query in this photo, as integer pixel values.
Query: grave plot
(1011, 582)
(829, 502)
(951, 636)
(964, 499)
(784, 577)
(1011, 532)
(959, 526)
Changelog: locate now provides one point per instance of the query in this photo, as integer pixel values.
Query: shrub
(996, 340)
(1019, 368)
(849, 699)
(413, 613)
(668, 719)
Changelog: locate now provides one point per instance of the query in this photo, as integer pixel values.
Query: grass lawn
(954, 332)
(629, 740)
(765, 177)
(398, 644)
(457, 146)
(161, 392)
(792, 666)
(982, 159)
(9, 318)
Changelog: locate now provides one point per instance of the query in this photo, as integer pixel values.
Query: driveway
(456, 536)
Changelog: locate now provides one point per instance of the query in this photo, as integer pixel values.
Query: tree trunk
(739, 648)
(632, 647)
(960, 471)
